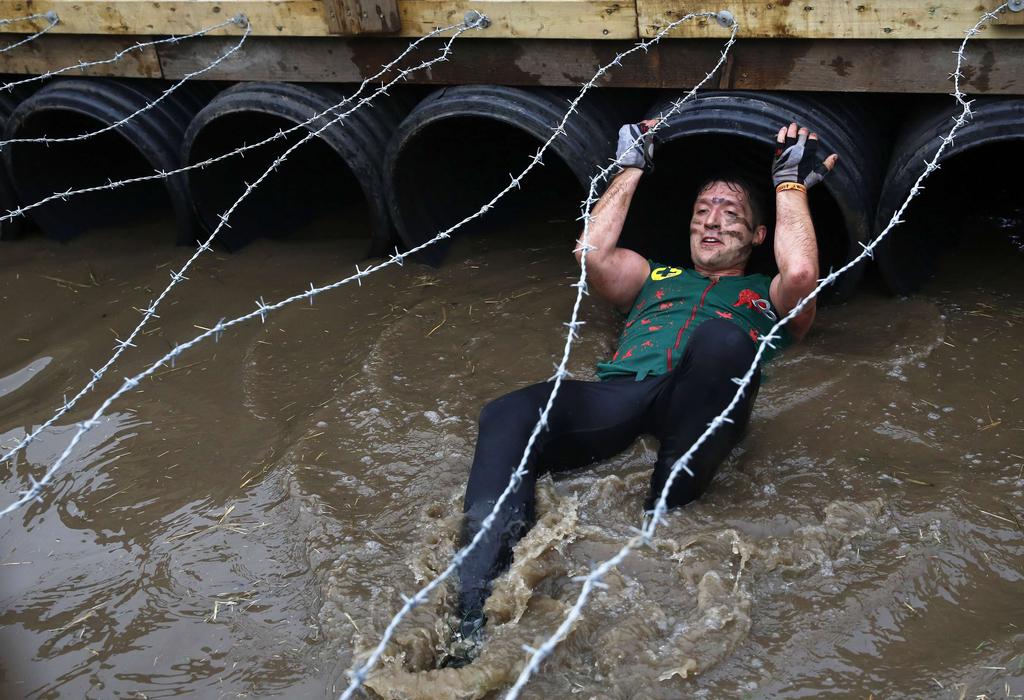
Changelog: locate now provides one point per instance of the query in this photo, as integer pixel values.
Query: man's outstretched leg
(589, 421)
(696, 391)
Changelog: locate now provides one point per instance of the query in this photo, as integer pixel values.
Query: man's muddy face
(721, 229)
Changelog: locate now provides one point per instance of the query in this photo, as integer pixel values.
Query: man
(687, 334)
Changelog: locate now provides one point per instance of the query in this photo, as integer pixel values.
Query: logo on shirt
(752, 300)
(664, 273)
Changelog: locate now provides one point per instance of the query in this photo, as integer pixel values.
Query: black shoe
(466, 641)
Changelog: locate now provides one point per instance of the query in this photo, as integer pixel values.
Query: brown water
(248, 518)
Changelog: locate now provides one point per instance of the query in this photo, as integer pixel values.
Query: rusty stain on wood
(349, 17)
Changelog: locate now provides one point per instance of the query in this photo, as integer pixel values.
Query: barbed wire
(262, 309)
(239, 19)
(359, 675)
(241, 150)
(51, 17)
(82, 65)
(36, 485)
(645, 534)
(150, 311)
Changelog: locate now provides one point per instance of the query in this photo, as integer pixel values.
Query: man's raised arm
(794, 171)
(618, 274)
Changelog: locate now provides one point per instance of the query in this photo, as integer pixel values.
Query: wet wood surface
(826, 65)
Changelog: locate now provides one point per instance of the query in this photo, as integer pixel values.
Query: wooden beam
(144, 17)
(829, 19)
(537, 19)
(767, 64)
(521, 19)
(53, 51)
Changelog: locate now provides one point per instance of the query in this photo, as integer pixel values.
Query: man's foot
(466, 641)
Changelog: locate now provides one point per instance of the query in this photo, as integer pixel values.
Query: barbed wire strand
(241, 150)
(33, 493)
(150, 311)
(358, 676)
(82, 65)
(52, 21)
(239, 19)
(644, 535)
(262, 309)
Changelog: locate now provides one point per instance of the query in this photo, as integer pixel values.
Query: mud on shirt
(673, 303)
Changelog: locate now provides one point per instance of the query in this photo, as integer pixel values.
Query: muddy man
(688, 332)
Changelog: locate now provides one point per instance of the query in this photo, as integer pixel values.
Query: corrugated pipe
(976, 170)
(461, 145)
(339, 172)
(9, 101)
(149, 141)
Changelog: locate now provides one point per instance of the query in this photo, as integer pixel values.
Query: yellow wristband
(791, 186)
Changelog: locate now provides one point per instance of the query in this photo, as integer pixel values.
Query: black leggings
(592, 421)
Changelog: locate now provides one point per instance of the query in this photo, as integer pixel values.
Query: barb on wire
(150, 311)
(262, 309)
(82, 65)
(240, 20)
(358, 676)
(52, 21)
(594, 578)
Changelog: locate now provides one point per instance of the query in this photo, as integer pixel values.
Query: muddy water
(248, 518)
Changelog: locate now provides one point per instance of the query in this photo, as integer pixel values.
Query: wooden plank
(539, 19)
(520, 19)
(51, 52)
(768, 64)
(831, 19)
(144, 17)
(878, 65)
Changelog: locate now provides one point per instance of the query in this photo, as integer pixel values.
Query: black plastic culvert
(461, 145)
(976, 171)
(148, 142)
(334, 177)
(737, 130)
(9, 101)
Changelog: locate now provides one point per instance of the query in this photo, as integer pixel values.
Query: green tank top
(672, 303)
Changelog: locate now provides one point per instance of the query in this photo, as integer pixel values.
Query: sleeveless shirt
(672, 303)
